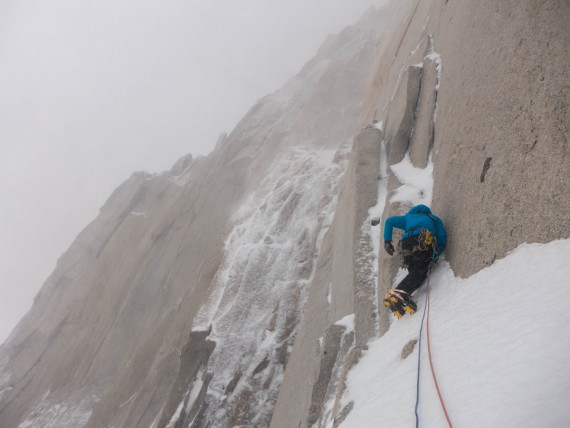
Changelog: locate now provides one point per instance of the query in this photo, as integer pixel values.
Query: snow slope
(499, 342)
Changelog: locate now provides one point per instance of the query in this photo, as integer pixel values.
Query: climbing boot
(399, 302)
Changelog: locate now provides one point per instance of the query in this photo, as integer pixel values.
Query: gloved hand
(389, 247)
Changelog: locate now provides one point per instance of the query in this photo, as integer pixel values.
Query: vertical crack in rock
(424, 125)
(402, 113)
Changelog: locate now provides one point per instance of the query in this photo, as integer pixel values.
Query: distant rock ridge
(240, 288)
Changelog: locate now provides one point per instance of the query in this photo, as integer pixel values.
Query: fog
(91, 91)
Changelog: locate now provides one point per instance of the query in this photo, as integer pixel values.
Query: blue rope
(419, 361)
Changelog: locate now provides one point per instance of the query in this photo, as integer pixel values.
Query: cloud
(90, 92)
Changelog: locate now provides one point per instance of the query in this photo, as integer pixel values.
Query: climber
(423, 241)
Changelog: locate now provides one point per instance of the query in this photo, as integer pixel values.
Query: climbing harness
(425, 241)
(426, 310)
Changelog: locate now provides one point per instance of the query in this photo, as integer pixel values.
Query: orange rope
(431, 364)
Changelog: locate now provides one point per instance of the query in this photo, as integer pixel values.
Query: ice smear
(501, 360)
(176, 415)
(260, 288)
(417, 183)
(435, 57)
(195, 390)
(376, 211)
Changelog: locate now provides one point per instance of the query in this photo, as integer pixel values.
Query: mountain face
(239, 289)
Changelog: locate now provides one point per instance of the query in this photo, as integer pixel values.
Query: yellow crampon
(398, 304)
(394, 304)
(388, 297)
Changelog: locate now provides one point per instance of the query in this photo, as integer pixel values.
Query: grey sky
(91, 91)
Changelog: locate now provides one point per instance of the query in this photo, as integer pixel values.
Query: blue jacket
(415, 220)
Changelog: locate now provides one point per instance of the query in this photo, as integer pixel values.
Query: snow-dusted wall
(343, 284)
(259, 292)
(241, 289)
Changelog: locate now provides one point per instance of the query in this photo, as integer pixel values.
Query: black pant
(417, 264)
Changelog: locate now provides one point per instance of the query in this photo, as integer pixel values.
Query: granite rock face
(240, 288)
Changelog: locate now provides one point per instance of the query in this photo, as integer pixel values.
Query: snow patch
(436, 57)
(417, 183)
(377, 210)
(201, 328)
(196, 388)
(347, 322)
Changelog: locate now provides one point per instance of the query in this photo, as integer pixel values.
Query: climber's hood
(420, 209)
